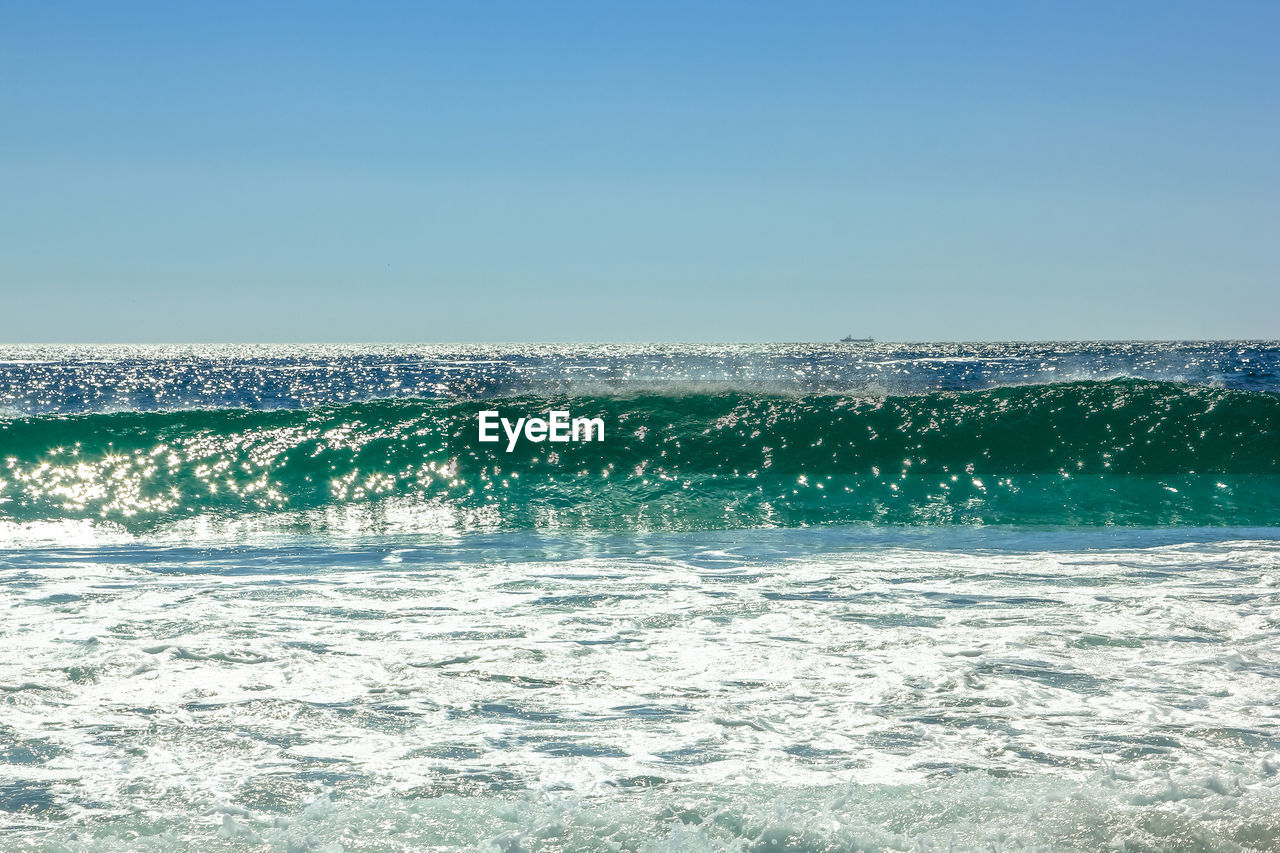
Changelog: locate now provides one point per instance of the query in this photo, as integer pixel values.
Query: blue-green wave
(1123, 452)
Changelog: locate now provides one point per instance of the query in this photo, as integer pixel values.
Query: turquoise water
(1126, 452)
(1004, 597)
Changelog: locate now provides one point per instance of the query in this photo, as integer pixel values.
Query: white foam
(891, 696)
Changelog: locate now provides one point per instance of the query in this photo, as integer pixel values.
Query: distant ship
(850, 339)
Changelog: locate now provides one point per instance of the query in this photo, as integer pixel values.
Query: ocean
(801, 597)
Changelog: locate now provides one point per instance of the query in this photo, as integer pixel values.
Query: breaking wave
(1121, 452)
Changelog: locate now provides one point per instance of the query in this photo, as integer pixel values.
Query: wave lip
(1127, 452)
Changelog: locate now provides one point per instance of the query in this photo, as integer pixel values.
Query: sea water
(802, 597)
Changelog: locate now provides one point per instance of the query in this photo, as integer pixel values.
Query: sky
(683, 171)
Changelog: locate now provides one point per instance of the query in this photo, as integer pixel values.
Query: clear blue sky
(477, 171)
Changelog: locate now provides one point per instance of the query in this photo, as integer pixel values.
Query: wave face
(1123, 452)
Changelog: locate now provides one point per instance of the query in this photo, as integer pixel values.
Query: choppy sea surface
(925, 597)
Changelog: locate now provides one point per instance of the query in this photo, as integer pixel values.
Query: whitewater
(986, 597)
